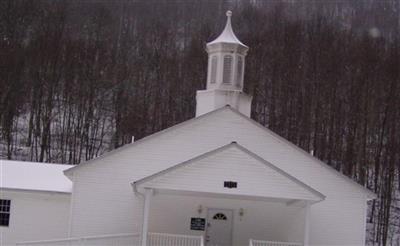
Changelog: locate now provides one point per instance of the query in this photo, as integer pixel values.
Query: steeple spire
(227, 35)
(226, 55)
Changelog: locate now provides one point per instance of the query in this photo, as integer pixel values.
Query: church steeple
(226, 56)
(226, 60)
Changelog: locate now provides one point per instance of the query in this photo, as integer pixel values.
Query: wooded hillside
(78, 79)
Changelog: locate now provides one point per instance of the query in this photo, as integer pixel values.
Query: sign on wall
(197, 224)
(230, 184)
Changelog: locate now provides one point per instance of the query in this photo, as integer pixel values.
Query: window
(4, 212)
(214, 61)
(219, 216)
(239, 72)
(227, 69)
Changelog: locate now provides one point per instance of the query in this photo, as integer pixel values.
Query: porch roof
(255, 178)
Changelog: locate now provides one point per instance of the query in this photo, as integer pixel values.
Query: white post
(307, 224)
(251, 242)
(147, 198)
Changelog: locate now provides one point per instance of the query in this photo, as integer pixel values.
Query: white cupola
(226, 59)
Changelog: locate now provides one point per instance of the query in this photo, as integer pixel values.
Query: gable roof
(34, 176)
(294, 147)
(271, 182)
(134, 144)
(369, 193)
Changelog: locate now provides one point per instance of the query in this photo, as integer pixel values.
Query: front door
(219, 227)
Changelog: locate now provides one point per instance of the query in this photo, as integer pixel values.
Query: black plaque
(230, 184)
(197, 224)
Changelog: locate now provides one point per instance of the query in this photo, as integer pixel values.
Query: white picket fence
(154, 239)
(165, 239)
(130, 239)
(127, 239)
(272, 243)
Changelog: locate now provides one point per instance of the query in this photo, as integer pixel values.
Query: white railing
(272, 243)
(165, 239)
(127, 239)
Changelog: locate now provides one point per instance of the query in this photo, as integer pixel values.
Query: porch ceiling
(208, 174)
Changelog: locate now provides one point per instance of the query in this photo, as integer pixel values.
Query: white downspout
(148, 193)
(306, 241)
(71, 206)
(364, 233)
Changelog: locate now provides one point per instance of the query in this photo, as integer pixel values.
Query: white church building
(219, 179)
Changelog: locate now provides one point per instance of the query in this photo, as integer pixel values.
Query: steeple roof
(227, 35)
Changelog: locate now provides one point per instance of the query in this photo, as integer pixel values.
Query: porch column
(148, 193)
(307, 224)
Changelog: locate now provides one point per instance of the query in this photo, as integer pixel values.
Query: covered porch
(215, 219)
(227, 201)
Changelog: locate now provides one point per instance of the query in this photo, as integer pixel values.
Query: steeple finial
(227, 35)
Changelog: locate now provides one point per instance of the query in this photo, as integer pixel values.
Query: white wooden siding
(231, 163)
(35, 216)
(105, 203)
